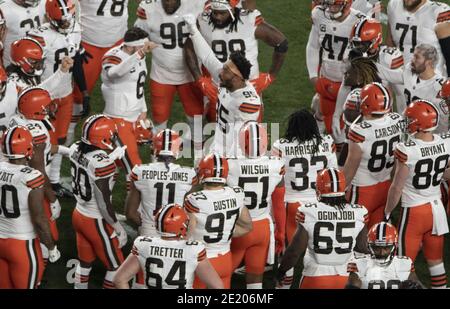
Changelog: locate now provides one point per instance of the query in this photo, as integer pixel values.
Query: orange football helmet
(445, 91)
(343, 7)
(421, 115)
(17, 143)
(375, 100)
(253, 139)
(367, 34)
(99, 131)
(213, 168)
(172, 221)
(28, 54)
(330, 183)
(382, 240)
(352, 107)
(3, 82)
(35, 103)
(167, 143)
(61, 15)
(143, 131)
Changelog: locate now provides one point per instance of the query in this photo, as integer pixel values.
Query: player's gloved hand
(86, 105)
(63, 150)
(120, 233)
(208, 88)
(55, 209)
(86, 56)
(279, 279)
(54, 255)
(263, 81)
(336, 127)
(410, 285)
(118, 153)
(279, 242)
(191, 22)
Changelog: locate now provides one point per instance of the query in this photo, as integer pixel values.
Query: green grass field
(290, 92)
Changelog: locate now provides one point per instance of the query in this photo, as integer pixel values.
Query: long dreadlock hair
(361, 71)
(233, 24)
(302, 127)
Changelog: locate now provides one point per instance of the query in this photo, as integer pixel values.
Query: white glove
(55, 209)
(118, 153)
(120, 233)
(336, 127)
(54, 255)
(63, 150)
(191, 23)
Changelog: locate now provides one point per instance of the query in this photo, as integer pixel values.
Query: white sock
(108, 281)
(438, 276)
(287, 281)
(55, 169)
(254, 286)
(44, 251)
(159, 127)
(82, 277)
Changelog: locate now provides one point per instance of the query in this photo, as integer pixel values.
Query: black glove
(410, 285)
(86, 106)
(85, 56)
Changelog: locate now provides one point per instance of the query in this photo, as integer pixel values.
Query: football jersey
(427, 162)
(223, 41)
(104, 22)
(332, 233)
(373, 276)
(85, 170)
(168, 264)
(170, 32)
(16, 182)
(258, 177)
(8, 105)
(19, 21)
(370, 8)
(160, 186)
(302, 165)
(216, 212)
(124, 95)
(332, 39)
(411, 29)
(377, 139)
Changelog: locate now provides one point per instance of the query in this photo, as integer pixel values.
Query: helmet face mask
(382, 253)
(17, 143)
(2, 89)
(382, 240)
(28, 55)
(61, 15)
(334, 9)
(172, 221)
(100, 131)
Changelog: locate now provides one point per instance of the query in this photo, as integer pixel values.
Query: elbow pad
(282, 47)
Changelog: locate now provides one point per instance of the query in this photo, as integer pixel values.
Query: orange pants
(291, 224)
(415, 226)
(21, 263)
(323, 282)
(163, 95)
(94, 240)
(223, 266)
(51, 223)
(328, 91)
(373, 198)
(62, 121)
(127, 136)
(254, 246)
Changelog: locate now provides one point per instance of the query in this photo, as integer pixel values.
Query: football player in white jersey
(371, 145)
(412, 22)
(22, 221)
(305, 152)
(261, 177)
(169, 75)
(20, 16)
(328, 45)
(382, 268)
(419, 169)
(8, 99)
(99, 234)
(328, 232)
(217, 214)
(238, 100)
(167, 254)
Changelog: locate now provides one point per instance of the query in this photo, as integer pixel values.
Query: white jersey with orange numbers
(411, 29)
(377, 139)
(427, 162)
(170, 32)
(373, 276)
(124, 95)
(332, 38)
(85, 170)
(56, 46)
(302, 164)
(224, 41)
(258, 177)
(216, 212)
(8, 105)
(160, 185)
(172, 261)
(16, 182)
(19, 21)
(332, 233)
(103, 22)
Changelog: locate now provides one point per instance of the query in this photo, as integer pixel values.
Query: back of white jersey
(168, 264)
(19, 21)
(258, 177)
(160, 186)
(170, 32)
(85, 170)
(104, 22)
(411, 29)
(8, 105)
(332, 233)
(377, 139)
(427, 162)
(16, 182)
(223, 41)
(302, 164)
(216, 212)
